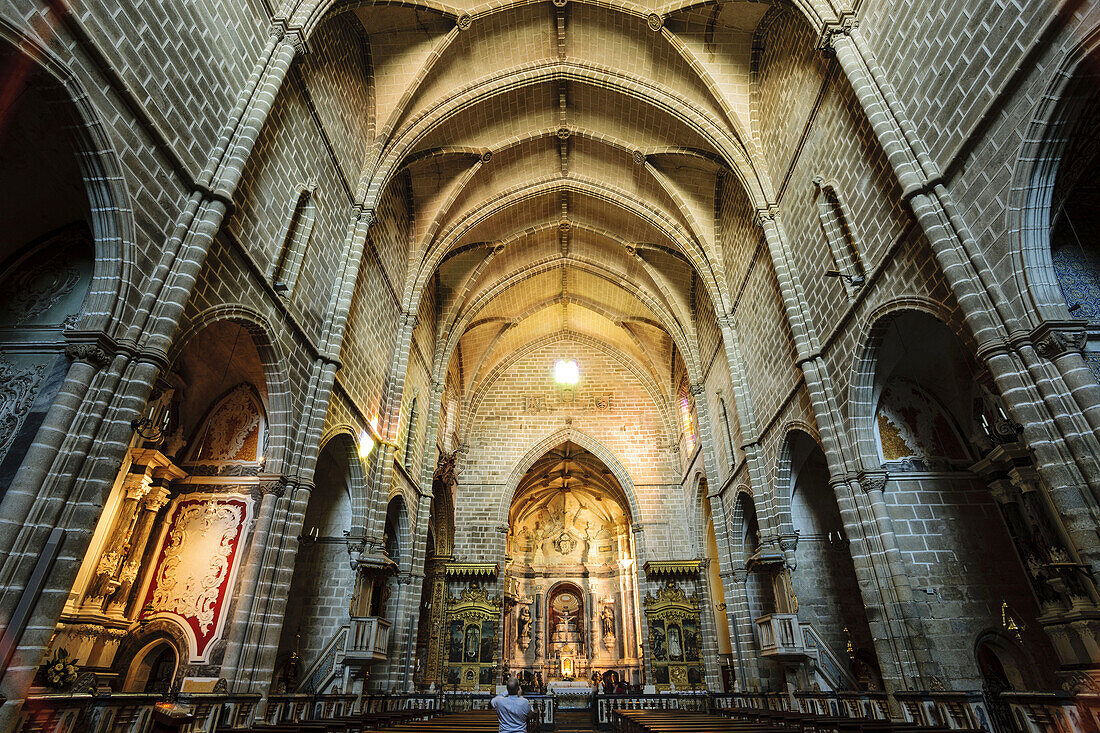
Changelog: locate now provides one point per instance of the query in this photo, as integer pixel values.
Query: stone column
(744, 631)
(270, 490)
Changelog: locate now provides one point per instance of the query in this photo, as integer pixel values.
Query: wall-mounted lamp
(280, 288)
(854, 280)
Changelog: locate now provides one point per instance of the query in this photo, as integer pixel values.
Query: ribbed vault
(562, 164)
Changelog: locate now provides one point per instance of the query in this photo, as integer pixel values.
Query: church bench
(481, 721)
(822, 724)
(660, 721)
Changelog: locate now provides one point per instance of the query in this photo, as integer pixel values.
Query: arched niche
(961, 530)
(1003, 664)
(824, 579)
(153, 669)
(49, 250)
(323, 581)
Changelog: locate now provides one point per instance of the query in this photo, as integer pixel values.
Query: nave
(359, 355)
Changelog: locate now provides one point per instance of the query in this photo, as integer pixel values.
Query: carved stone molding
(88, 354)
(1058, 338)
(276, 485)
(18, 388)
(872, 480)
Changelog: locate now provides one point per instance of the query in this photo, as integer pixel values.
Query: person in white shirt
(513, 711)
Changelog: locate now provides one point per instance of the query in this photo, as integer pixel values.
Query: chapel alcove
(955, 516)
(46, 253)
(830, 604)
(175, 527)
(570, 577)
(323, 580)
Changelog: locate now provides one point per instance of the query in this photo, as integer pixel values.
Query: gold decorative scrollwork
(470, 647)
(675, 639)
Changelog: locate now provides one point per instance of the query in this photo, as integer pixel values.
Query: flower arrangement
(61, 671)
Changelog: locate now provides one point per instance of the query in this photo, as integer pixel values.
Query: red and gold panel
(198, 555)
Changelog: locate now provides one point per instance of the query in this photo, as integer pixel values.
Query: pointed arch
(585, 441)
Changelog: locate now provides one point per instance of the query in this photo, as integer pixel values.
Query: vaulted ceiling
(563, 162)
(569, 471)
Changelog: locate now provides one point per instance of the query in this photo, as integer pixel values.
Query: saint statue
(472, 643)
(524, 625)
(607, 621)
(675, 651)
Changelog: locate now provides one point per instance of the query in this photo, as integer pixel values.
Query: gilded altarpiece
(675, 641)
(472, 621)
(438, 593)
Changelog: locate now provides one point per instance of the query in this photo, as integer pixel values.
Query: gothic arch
(553, 440)
(344, 438)
(112, 223)
(1038, 163)
(279, 418)
(861, 393)
(784, 471)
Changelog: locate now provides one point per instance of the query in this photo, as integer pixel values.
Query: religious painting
(488, 641)
(912, 427)
(455, 647)
(674, 639)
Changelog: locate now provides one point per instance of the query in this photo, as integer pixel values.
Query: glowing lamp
(566, 372)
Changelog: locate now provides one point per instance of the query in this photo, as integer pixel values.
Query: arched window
(410, 436)
(729, 433)
(842, 240)
(295, 242)
(687, 415)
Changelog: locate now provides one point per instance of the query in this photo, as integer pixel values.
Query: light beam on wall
(366, 444)
(566, 372)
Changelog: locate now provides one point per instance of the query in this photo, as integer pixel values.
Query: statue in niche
(473, 643)
(524, 627)
(675, 648)
(607, 621)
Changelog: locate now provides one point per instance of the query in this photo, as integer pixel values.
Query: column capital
(833, 31)
(1053, 339)
(766, 216)
(156, 498)
(276, 485)
(872, 480)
